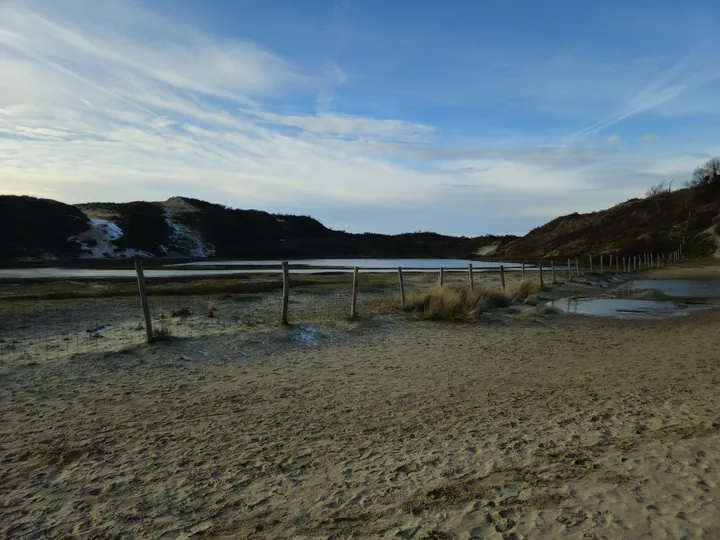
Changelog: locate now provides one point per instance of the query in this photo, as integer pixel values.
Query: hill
(183, 227)
(656, 224)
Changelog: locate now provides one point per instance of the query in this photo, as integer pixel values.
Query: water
(685, 288)
(210, 268)
(390, 264)
(622, 308)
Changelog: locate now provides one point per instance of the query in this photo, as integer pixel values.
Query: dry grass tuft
(451, 304)
(210, 308)
(522, 290)
(162, 333)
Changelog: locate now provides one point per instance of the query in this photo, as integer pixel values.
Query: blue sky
(482, 117)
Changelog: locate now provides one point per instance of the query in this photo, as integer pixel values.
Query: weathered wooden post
(577, 266)
(402, 288)
(286, 292)
(353, 302)
(591, 264)
(625, 264)
(502, 277)
(470, 273)
(441, 277)
(617, 263)
(143, 298)
(542, 280)
(602, 266)
(569, 269)
(610, 263)
(552, 270)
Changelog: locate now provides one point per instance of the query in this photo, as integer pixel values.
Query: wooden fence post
(552, 269)
(542, 280)
(286, 292)
(610, 263)
(353, 302)
(441, 277)
(470, 273)
(523, 271)
(602, 264)
(569, 269)
(143, 298)
(577, 266)
(625, 264)
(402, 288)
(591, 264)
(617, 264)
(502, 277)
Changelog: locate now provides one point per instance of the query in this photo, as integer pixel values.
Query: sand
(550, 427)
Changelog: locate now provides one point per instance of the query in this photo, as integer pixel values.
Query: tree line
(707, 174)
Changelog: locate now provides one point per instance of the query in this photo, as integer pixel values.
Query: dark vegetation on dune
(658, 223)
(143, 224)
(31, 227)
(252, 234)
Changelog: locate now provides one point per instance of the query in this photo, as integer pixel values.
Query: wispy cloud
(108, 101)
(692, 71)
(612, 139)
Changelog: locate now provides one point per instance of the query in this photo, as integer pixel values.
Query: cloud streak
(146, 108)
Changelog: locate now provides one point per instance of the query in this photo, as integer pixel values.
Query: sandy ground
(53, 320)
(544, 428)
(550, 426)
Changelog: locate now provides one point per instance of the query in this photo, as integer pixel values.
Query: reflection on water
(360, 263)
(621, 308)
(219, 268)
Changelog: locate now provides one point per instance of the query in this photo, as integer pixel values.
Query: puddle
(622, 308)
(685, 288)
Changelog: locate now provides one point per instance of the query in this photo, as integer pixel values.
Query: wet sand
(542, 428)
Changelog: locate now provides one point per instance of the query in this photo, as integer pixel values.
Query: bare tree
(657, 189)
(706, 174)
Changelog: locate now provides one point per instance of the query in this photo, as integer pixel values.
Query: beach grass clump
(210, 308)
(454, 304)
(522, 290)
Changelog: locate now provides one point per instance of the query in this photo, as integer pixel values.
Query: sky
(463, 117)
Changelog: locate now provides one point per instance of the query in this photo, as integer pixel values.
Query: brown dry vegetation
(449, 303)
(452, 303)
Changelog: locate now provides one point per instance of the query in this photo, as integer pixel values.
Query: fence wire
(43, 327)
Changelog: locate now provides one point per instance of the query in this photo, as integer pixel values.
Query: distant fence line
(59, 322)
(635, 263)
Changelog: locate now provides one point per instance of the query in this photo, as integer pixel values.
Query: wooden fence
(615, 264)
